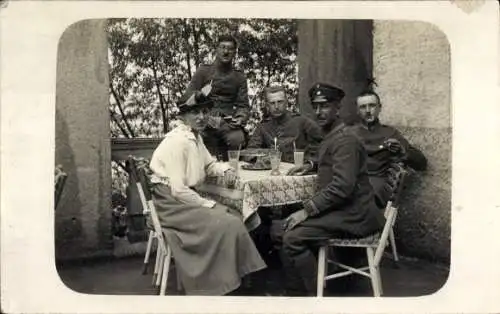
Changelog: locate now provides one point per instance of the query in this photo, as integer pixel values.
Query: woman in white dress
(211, 246)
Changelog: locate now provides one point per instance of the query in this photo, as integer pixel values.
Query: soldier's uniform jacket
(229, 90)
(379, 159)
(289, 128)
(345, 199)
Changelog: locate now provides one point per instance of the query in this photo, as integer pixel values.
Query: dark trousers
(382, 190)
(219, 141)
(298, 256)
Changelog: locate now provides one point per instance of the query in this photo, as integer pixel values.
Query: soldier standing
(229, 93)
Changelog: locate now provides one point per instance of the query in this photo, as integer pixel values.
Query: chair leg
(165, 271)
(320, 282)
(393, 245)
(160, 267)
(157, 262)
(374, 274)
(379, 280)
(148, 252)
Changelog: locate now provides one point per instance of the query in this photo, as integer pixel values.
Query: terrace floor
(122, 276)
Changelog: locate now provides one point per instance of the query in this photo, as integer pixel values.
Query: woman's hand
(221, 208)
(230, 177)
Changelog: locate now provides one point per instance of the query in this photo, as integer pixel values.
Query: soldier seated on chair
(343, 206)
(384, 145)
(229, 93)
(291, 130)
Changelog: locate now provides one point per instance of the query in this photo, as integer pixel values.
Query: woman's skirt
(211, 248)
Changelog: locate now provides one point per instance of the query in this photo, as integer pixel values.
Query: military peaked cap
(321, 92)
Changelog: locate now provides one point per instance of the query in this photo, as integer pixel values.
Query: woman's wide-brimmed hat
(194, 100)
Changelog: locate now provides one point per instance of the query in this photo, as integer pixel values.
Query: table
(259, 188)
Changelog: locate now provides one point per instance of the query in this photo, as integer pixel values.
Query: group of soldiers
(351, 160)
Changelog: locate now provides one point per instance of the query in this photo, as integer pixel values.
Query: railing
(121, 148)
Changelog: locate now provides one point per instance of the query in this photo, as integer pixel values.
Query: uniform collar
(283, 119)
(336, 126)
(372, 126)
(223, 68)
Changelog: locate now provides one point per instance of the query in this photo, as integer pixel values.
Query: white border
(29, 37)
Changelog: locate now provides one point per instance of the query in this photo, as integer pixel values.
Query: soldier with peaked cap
(322, 97)
(291, 130)
(210, 244)
(229, 92)
(384, 144)
(344, 204)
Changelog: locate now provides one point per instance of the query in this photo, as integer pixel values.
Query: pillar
(338, 52)
(83, 218)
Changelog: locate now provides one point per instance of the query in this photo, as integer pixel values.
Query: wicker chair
(374, 244)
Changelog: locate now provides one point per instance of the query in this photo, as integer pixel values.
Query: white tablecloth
(259, 188)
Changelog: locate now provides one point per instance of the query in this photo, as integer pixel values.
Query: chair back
(397, 174)
(139, 176)
(59, 182)
(138, 171)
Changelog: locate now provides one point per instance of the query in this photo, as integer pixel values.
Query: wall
(83, 218)
(411, 62)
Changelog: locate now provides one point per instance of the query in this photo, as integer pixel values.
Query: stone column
(83, 218)
(338, 52)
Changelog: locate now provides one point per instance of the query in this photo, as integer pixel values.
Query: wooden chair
(374, 244)
(163, 252)
(59, 182)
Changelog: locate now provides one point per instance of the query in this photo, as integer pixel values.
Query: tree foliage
(153, 60)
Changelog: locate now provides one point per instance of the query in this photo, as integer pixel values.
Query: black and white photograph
(254, 157)
(244, 157)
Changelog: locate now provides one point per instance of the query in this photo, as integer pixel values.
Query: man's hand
(394, 146)
(294, 219)
(299, 170)
(236, 122)
(230, 177)
(214, 121)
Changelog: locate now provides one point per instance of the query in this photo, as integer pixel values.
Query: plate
(255, 167)
(255, 152)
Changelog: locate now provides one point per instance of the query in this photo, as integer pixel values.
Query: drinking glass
(234, 158)
(275, 157)
(298, 157)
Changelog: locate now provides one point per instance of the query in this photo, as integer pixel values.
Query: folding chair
(60, 181)
(374, 244)
(163, 252)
